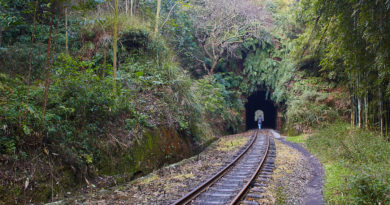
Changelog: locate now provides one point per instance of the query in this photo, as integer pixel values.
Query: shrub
(307, 108)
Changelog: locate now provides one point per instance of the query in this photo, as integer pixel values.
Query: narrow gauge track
(230, 185)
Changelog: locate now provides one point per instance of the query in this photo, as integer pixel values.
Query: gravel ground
(313, 190)
(297, 178)
(169, 183)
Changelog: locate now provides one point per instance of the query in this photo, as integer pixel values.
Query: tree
(48, 65)
(31, 51)
(66, 32)
(157, 17)
(114, 45)
(221, 26)
(351, 38)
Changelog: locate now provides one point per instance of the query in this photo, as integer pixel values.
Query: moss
(183, 176)
(281, 196)
(156, 148)
(226, 144)
(9, 195)
(148, 179)
(43, 192)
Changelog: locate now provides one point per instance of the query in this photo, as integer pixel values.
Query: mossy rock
(156, 148)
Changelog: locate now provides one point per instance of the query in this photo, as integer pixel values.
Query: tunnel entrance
(258, 101)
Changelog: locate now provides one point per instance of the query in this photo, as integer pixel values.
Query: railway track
(242, 180)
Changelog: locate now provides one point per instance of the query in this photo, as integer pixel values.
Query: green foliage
(268, 64)
(350, 39)
(210, 95)
(220, 104)
(297, 139)
(84, 117)
(356, 164)
(259, 67)
(7, 146)
(307, 107)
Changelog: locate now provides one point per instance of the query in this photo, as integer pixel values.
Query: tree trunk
(104, 61)
(1, 35)
(31, 53)
(213, 66)
(381, 111)
(386, 123)
(115, 41)
(66, 32)
(157, 17)
(352, 124)
(47, 80)
(131, 7)
(366, 110)
(126, 6)
(359, 113)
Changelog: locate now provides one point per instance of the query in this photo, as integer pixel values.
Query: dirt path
(314, 194)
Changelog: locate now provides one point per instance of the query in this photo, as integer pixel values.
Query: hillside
(96, 93)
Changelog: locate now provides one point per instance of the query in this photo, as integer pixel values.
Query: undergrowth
(297, 139)
(88, 130)
(356, 164)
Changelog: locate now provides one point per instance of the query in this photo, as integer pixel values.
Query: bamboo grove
(351, 39)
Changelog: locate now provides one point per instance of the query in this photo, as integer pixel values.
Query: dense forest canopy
(80, 78)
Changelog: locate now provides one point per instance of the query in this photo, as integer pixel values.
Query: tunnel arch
(258, 101)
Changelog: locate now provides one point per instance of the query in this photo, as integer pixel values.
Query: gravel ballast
(297, 177)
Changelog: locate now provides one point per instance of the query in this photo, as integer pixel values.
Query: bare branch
(221, 26)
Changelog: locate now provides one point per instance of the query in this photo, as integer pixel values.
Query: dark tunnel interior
(258, 101)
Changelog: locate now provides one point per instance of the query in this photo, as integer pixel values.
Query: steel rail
(245, 188)
(204, 186)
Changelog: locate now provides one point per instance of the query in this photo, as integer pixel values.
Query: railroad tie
(246, 202)
(254, 196)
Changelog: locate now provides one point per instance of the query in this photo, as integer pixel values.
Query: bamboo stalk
(157, 17)
(115, 46)
(31, 53)
(66, 31)
(381, 111)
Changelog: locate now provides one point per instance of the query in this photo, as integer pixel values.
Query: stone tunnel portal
(258, 101)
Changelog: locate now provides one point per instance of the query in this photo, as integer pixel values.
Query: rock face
(120, 163)
(156, 148)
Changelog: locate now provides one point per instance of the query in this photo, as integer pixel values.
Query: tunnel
(258, 101)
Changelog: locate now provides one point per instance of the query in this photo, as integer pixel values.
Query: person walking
(259, 117)
(259, 121)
